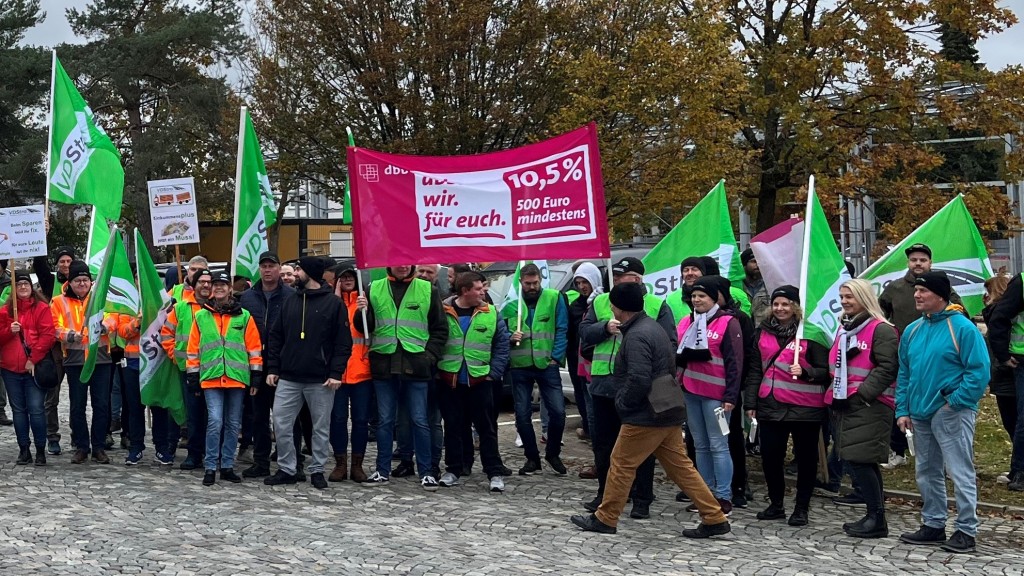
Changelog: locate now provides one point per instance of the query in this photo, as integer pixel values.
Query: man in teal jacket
(944, 368)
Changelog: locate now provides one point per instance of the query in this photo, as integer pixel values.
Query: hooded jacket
(310, 341)
(943, 360)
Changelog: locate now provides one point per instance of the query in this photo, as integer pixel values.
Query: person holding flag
(126, 328)
(355, 391)
(535, 356)
(600, 329)
(409, 330)
(26, 337)
(786, 394)
(174, 339)
(224, 358)
(68, 311)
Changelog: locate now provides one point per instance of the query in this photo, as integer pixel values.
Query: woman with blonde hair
(785, 392)
(864, 363)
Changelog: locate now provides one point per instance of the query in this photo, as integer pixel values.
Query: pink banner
(541, 201)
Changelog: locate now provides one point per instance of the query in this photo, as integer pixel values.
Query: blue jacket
(265, 306)
(943, 359)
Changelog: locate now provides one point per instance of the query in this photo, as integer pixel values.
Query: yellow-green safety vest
(407, 325)
(473, 347)
(538, 343)
(184, 315)
(604, 353)
(224, 355)
(1017, 333)
(680, 309)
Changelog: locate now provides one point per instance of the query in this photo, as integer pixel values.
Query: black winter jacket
(815, 365)
(645, 354)
(265, 307)
(406, 365)
(310, 341)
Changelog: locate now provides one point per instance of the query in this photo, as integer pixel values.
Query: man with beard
(897, 302)
(407, 321)
(538, 349)
(174, 338)
(309, 347)
(753, 285)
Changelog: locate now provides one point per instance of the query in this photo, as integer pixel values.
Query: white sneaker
(519, 441)
(376, 479)
(429, 484)
(497, 484)
(448, 480)
(894, 461)
(1003, 478)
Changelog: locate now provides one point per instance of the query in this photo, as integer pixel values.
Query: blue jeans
(946, 442)
(224, 419)
(1017, 459)
(414, 392)
(713, 460)
(96, 390)
(550, 384)
(26, 401)
(358, 397)
(403, 430)
(134, 413)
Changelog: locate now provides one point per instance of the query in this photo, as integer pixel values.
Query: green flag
(97, 301)
(346, 214)
(123, 296)
(159, 377)
(255, 208)
(85, 167)
(705, 231)
(957, 250)
(822, 271)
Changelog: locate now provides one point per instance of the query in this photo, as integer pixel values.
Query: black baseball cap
(222, 277)
(627, 265)
(918, 248)
(268, 255)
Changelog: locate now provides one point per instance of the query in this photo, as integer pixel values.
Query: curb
(984, 507)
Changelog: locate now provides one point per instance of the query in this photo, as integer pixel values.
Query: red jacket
(36, 325)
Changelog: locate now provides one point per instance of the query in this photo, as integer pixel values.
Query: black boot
(799, 517)
(24, 456)
(40, 457)
(874, 526)
(859, 524)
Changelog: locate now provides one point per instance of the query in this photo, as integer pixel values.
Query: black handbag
(45, 372)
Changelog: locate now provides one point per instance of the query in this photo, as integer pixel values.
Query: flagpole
(359, 287)
(14, 289)
(49, 136)
(519, 303)
(804, 260)
(238, 191)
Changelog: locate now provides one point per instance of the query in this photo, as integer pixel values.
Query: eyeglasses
(81, 281)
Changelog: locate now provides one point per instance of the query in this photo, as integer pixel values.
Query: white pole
(804, 259)
(49, 135)
(238, 191)
(519, 303)
(359, 287)
(611, 280)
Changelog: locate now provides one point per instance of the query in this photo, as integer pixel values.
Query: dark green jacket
(863, 423)
(897, 302)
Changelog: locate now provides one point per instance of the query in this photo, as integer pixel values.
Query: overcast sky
(997, 52)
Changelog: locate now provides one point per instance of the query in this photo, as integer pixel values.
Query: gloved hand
(255, 380)
(74, 337)
(192, 381)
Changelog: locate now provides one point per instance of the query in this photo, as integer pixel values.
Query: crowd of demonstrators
(305, 351)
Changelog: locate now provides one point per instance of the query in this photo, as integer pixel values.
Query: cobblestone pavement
(94, 519)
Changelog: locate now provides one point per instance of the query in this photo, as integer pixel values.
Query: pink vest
(858, 367)
(778, 381)
(707, 379)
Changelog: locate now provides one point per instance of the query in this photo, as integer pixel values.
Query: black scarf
(786, 331)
